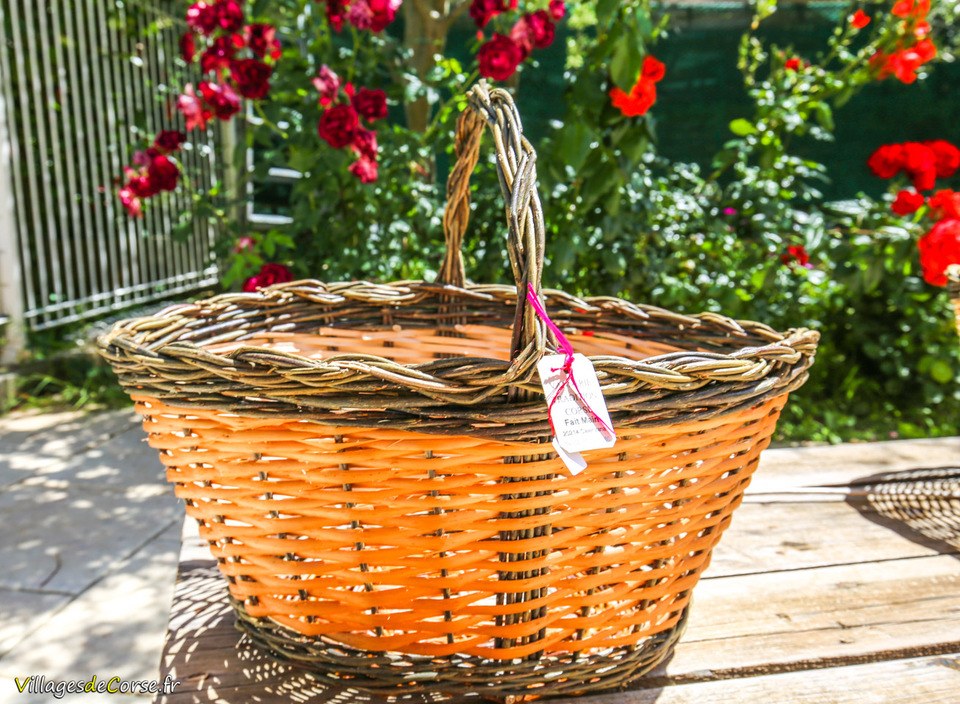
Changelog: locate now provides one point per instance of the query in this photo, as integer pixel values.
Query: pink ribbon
(563, 347)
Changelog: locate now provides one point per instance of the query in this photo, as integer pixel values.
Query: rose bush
(359, 97)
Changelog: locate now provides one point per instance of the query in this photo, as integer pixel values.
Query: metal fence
(74, 82)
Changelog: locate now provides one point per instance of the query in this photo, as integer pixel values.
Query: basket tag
(575, 403)
(574, 460)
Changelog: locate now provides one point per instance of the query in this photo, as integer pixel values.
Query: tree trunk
(425, 34)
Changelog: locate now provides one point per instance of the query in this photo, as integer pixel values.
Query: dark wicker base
(402, 675)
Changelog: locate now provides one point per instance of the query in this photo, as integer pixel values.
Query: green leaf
(742, 127)
(574, 144)
(941, 372)
(765, 8)
(606, 10)
(825, 116)
(625, 64)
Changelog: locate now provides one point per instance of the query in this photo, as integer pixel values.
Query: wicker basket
(372, 467)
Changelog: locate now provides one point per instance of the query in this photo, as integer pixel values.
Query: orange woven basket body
(372, 467)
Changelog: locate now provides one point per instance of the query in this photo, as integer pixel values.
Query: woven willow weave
(371, 464)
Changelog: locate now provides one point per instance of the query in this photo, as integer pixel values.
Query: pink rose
(193, 110)
(327, 84)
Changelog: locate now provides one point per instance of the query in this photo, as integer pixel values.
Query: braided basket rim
(138, 334)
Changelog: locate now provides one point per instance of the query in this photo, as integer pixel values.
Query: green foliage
(622, 220)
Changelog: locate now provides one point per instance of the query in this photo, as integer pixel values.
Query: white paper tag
(574, 460)
(577, 429)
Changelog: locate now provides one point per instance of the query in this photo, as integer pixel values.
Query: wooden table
(838, 581)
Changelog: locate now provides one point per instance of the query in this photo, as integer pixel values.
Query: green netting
(703, 91)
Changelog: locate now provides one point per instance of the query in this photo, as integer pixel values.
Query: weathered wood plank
(783, 469)
(803, 582)
(845, 611)
(929, 680)
(779, 620)
(770, 537)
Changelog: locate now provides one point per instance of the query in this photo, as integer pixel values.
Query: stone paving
(88, 551)
(90, 538)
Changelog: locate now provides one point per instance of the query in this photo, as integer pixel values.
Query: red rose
(384, 12)
(229, 15)
(902, 8)
(947, 156)
(365, 143)
(557, 9)
(268, 275)
(163, 173)
(374, 15)
(188, 46)
(533, 30)
(370, 103)
(262, 40)
(499, 58)
(364, 169)
(939, 249)
(202, 16)
(907, 202)
(338, 125)
(903, 63)
(638, 101)
(653, 69)
(944, 204)
(796, 254)
(142, 186)
(218, 55)
(920, 161)
(221, 99)
(887, 161)
(336, 13)
(859, 19)
(793, 64)
(252, 77)
(169, 141)
(482, 11)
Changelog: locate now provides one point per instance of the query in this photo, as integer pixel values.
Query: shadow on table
(922, 505)
(214, 662)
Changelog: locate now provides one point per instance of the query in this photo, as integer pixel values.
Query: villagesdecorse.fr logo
(34, 684)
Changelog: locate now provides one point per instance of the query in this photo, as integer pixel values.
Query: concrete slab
(115, 628)
(118, 465)
(32, 442)
(65, 539)
(24, 611)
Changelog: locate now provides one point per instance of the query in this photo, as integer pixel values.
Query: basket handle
(516, 166)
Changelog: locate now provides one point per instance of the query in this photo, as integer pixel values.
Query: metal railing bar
(107, 156)
(47, 154)
(6, 80)
(93, 225)
(102, 310)
(131, 233)
(200, 278)
(72, 221)
(39, 271)
(147, 242)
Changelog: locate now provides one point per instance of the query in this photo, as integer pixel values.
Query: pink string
(563, 347)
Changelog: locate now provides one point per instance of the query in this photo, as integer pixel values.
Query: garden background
(679, 207)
